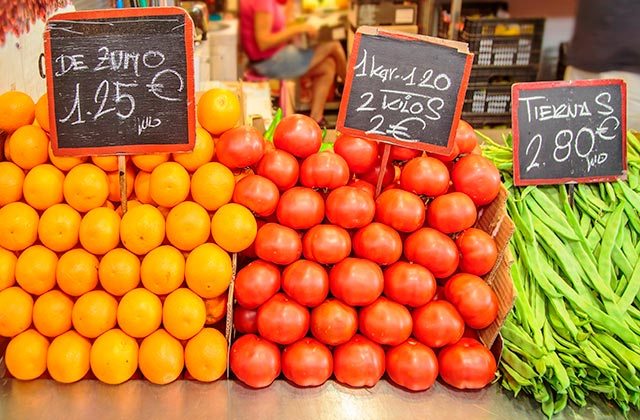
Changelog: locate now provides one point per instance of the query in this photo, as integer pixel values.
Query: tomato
(433, 250)
(378, 243)
(350, 207)
(409, 284)
(412, 365)
(385, 322)
(258, 194)
(360, 154)
(333, 322)
(299, 135)
(466, 138)
(324, 170)
(356, 282)
(240, 147)
(359, 362)
(451, 212)
(476, 150)
(278, 244)
(467, 364)
(402, 210)
(477, 177)
(282, 320)
(425, 176)
(364, 185)
(372, 176)
(244, 320)
(399, 153)
(255, 361)
(307, 362)
(451, 156)
(280, 167)
(256, 283)
(473, 298)
(300, 208)
(326, 244)
(306, 282)
(478, 251)
(437, 324)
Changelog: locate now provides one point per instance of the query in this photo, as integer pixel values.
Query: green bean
(632, 289)
(619, 349)
(560, 403)
(516, 376)
(608, 242)
(523, 369)
(522, 340)
(550, 215)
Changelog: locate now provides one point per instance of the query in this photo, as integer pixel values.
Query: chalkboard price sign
(120, 81)
(405, 89)
(569, 131)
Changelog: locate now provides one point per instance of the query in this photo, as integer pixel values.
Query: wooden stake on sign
(572, 189)
(383, 168)
(229, 321)
(122, 177)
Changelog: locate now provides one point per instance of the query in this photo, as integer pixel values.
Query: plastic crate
(488, 99)
(490, 75)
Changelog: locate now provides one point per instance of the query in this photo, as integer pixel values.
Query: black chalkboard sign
(569, 131)
(120, 81)
(405, 89)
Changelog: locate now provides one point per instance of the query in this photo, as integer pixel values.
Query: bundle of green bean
(575, 328)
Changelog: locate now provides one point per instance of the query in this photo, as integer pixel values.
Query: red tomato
(299, 135)
(409, 284)
(244, 320)
(356, 282)
(451, 212)
(477, 177)
(282, 320)
(350, 207)
(478, 252)
(333, 322)
(281, 168)
(466, 138)
(363, 185)
(324, 170)
(278, 244)
(402, 210)
(326, 244)
(425, 176)
(467, 364)
(360, 154)
(378, 243)
(255, 361)
(256, 283)
(359, 362)
(453, 155)
(306, 282)
(433, 250)
(402, 153)
(473, 298)
(258, 194)
(412, 365)
(476, 150)
(240, 147)
(307, 362)
(372, 176)
(300, 208)
(437, 324)
(385, 322)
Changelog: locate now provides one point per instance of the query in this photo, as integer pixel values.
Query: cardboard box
(383, 13)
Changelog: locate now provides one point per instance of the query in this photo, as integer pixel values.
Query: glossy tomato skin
(255, 361)
(451, 213)
(478, 251)
(356, 281)
(399, 153)
(306, 282)
(307, 362)
(300, 208)
(401, 210)
(258, 194)
(282, 320)
(372, 176)
(477, 177)
(324, 170)
(385, 322)
(409, 284)
(350, 207)
(473, 298)
(333, 322)
(281, 167)
(359, 362)
(326, 244)
(450, 157)
(433, 250)
(299, 135)
(466, 138)
(412, 365)
(364, 185)
(425, 176)
(360, 154)
(467, 364)
(378, 243)
(256, 283)
(437, 324)
(278, 244)
(240, 147)
(245, 320)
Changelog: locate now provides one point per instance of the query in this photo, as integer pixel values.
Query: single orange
(58, 227)
(65, 163)
(119, 271)
(86, 187)
(7, 150)
(43, 186)
(212, 185)
(188, 226)
(36, 269)
(94, 313)
(26, 355)
(218, 110)
(28, 147)
(205, 355)
(68, 357)
(203, 151)
(16, 110)
(11, 182)
(208, 270)
(139, 313)
(234, 227)
(7, 268)
(162, 270)
(149, 162)
(169, 184)
(114, 357)
(141, 187)
(183, 314)
(42, 112)
(100, 230)
(114, 183)
(52, 313)
(19, 227)
(106, 163)
(16, 310)
(161, 358)
(216, 308)
(77, 272)
(142, 229)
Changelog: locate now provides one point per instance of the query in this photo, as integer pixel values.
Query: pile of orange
(87, 290)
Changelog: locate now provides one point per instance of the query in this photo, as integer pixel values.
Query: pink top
(248, 9)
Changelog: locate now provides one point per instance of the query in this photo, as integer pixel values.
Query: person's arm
(266, 39)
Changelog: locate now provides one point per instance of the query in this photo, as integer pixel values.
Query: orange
(6, 149)
(114, 183)
(52, 313)
(26, 355)
(68, 357)
(100, 230)
(161, 358)
(203, 151)
(114, 357)
(142, 229)
(205, 355)
(218, 111)
(36, 269)
(7, 268)
(86, 187)
(43, 186)
(188, 225)
(106, 163)
(141, 187)
(108, 204)
(65, 163)
(208, 270)
(130, 204)
(16, 309)
(94, 313)
(234, 227)
(216, 308)
(162, 270)
(77, 272)
(16, 109)
(11, 181)
(183, 314)
(212, 185)
(58, 227)
(19, 227)
(42, 112)
(149, 162)
(139, 313)
(169, 184)
(119, 271)
(28, 147)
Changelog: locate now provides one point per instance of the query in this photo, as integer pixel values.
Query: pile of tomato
(342, 283)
